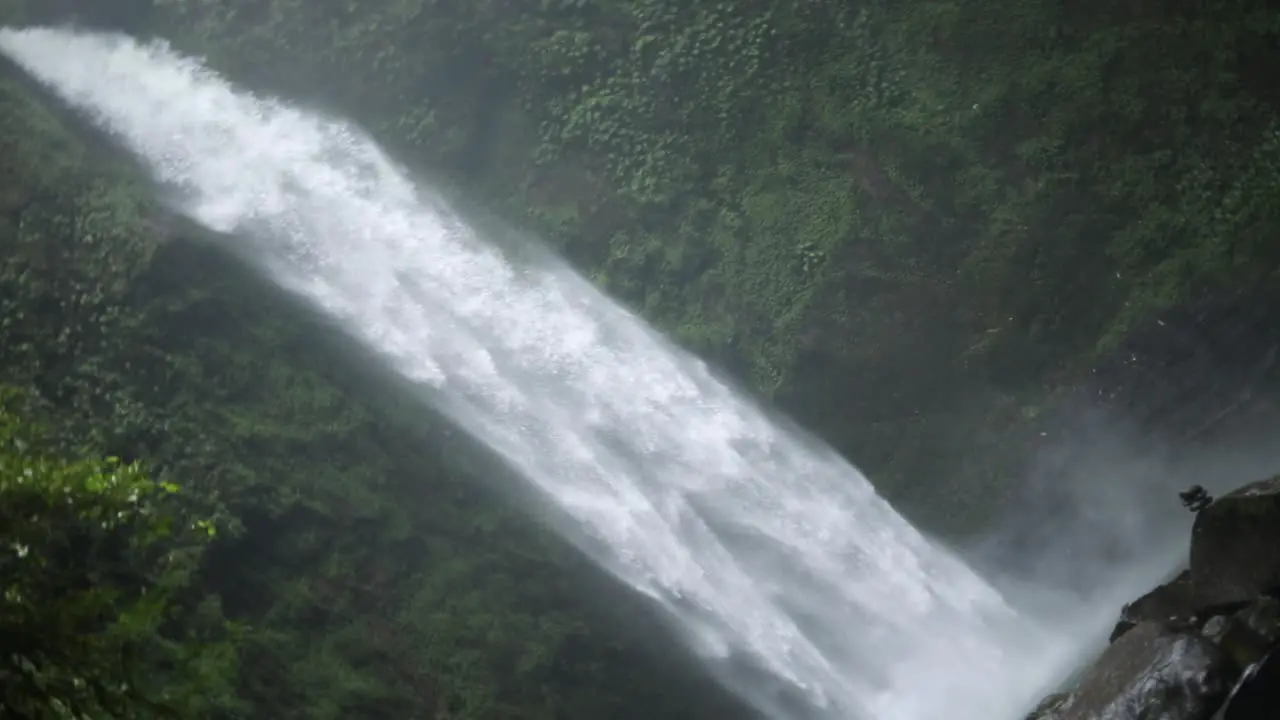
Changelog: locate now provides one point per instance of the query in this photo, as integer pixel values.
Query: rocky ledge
(1206, 645)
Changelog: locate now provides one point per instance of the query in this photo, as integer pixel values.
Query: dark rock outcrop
(1235, 545)
(1206, 644)
(1235, 559)
(1172, 602)
(1179, 602)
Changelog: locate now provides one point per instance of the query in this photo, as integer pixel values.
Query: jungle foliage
(911, 224)
(96, 560)
(908, 223)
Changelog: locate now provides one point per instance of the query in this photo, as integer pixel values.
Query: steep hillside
(910, 224)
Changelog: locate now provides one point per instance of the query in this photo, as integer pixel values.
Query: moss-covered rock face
(1235, 545)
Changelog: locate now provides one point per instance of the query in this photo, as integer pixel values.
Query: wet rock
(1235, 545)
(1244, 646)
(1234, 634)
(1216, 628)
(1257, 695)
(1205, 644)
(1152, 672)
(1173, 602)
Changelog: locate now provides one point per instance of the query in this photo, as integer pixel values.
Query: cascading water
(763, 545)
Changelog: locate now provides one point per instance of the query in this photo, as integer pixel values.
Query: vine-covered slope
(906, 222)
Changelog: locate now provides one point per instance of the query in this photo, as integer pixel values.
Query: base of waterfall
(1206, 644)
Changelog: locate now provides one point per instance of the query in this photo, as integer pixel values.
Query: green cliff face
(909, 224)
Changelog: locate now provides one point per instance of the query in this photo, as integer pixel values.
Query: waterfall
(768, 550)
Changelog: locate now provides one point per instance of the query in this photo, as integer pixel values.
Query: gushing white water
(764, 545)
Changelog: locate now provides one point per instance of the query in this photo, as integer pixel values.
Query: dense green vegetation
(913, 225)
(368, 569)
(903, 221)
(95, 563)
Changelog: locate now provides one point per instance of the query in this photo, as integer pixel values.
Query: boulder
(1235, 546)
(1177, 603)
(1216, 628)
(1240, 641)
(1263, 618)
(1152, 672)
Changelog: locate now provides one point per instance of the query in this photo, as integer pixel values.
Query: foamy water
(765, 546)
